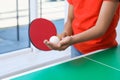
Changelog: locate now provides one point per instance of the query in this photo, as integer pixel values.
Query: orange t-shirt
(85, 16)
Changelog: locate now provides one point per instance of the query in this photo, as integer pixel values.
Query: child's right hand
(62, 35)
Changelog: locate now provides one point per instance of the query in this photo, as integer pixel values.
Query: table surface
(104, 65)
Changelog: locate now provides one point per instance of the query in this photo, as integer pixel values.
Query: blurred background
(17, 54)
(16, 15)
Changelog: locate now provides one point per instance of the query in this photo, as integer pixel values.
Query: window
(52, 10)
(15, 19)
(23, 62)
(14, 23)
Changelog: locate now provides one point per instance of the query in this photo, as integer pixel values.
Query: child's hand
(62, 35)
(65, 41)
(62, 45)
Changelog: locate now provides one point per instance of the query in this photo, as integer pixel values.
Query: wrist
(65, 32)
(71, 40)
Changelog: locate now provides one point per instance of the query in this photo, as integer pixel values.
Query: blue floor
(8, 37)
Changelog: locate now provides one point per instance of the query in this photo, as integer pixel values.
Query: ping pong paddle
(41, 29)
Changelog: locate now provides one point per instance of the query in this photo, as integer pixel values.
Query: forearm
(68, 28)
(68, 24)
(90, 34)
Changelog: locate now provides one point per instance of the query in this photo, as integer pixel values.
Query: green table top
(104, 65)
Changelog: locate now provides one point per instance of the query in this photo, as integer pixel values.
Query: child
(90, 26)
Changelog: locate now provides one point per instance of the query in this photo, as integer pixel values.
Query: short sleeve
(108, 0)
(70, 1)
(111, 0)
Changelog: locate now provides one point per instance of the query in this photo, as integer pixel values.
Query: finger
(64, 35)
(46, 42)
(63, 47)
(51, 45)
(62, 43)
(59, 36)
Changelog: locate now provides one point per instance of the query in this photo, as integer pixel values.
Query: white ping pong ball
(54, 39)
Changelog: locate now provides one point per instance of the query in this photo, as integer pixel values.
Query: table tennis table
(103, 65)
